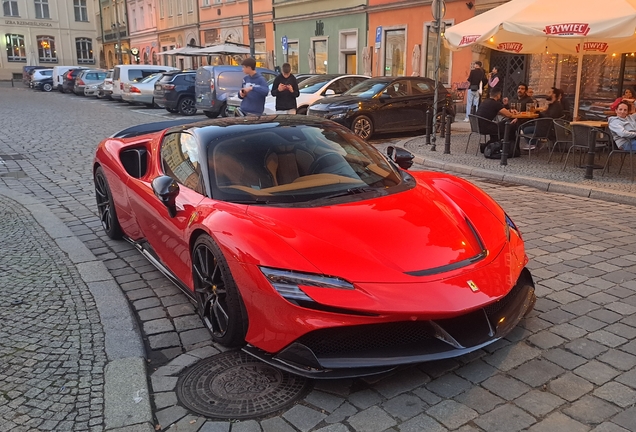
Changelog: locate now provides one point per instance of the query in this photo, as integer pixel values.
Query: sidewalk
(72, 354)
(533, 171)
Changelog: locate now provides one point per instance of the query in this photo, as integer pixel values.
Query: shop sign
(211, 36)
(467, 40)
(167, 39)
(567, 29)
(510, 46)
(28, 23)
(593, 46)
(259, 31)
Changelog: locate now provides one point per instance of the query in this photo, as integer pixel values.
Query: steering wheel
(328, 163)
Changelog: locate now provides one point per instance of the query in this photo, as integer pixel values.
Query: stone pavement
(70, 350)
(571, 365)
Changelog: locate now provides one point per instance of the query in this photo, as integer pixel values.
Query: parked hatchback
(88, 77)
(384, 104)
(175, 92)
(141, 91)
(214, 83)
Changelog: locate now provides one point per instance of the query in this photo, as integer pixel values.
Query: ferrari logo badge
(473, 286)
(193, 216)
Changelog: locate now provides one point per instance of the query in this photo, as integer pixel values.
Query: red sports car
(307, 247)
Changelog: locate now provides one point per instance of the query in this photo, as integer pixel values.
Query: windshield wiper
(255, 201)
(351, 191)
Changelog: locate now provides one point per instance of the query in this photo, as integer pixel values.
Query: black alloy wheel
(218, 300)
(302, 110)
(210, 114)
(187, 106)
(106, 206)
(363, 127)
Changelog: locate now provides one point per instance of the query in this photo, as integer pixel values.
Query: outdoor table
(525, 115)
(609, 113)
(590, 167)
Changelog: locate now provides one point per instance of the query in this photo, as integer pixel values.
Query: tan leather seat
(286, 163)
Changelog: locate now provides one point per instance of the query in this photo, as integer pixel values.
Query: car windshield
(299, 164)
(366, 89)
(313, 84)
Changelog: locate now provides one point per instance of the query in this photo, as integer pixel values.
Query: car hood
(384, 239)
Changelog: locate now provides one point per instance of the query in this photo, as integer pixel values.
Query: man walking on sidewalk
(476, 80)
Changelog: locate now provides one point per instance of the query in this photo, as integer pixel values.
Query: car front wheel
(47, 87)
(363, 127)
(187, 107)
(218, 300)
(210, 114)
(106, 206)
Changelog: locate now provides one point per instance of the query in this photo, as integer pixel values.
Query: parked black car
(45, 84)
(175, 92)
(384, 104)
(68, 83)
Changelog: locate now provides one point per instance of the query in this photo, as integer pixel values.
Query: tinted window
(189, 78)
(149, 78)
(91, 76)
(47, 73)
(230, 80)
(180, 160)
(421, 88)
(313, 84)
(397, 89)
(138, 74)
(367, 89)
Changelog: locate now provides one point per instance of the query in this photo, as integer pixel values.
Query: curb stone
(126, 394)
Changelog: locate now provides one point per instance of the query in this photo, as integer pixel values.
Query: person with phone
(285, 89)
(254, 89)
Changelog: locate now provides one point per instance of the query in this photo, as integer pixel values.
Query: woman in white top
(623, 128)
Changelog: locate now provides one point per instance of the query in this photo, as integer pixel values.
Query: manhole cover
(234, 385)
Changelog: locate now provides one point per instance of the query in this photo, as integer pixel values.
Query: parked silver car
(142, 91)
(88, 77)
(105, 89)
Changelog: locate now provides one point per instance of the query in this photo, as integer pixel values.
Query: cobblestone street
(569, 366)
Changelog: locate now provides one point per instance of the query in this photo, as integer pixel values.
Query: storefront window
(320, 55)
(394, 49)
(259, 54)
(444, 57)
(15, 48)
(292, 56)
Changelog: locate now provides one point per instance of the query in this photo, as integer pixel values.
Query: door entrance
(513, 69)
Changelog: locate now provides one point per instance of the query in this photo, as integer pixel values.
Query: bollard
(589, 168)
(506, 145)
(428, 126)
(442, 126)
(449, 119)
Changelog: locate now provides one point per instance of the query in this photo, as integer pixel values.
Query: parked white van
(124, 74)
(58, 75)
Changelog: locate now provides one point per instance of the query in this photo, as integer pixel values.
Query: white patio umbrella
(221, 49)
(575, 27)
(184, 51)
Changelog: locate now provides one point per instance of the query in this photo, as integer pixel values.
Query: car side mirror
(400, 156)
(330, 92)
(166, 189)
(385, 97)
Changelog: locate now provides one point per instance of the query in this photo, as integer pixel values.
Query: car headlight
(338, 116)
(510, 225)
(287, 283)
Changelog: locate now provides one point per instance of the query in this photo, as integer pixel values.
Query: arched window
(46, 49)
(84, 48)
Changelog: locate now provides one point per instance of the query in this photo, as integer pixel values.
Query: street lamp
(250, 29)
(439, 10)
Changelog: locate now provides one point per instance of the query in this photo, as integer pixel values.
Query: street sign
(284, 41)
(378, 36)
(438, 8)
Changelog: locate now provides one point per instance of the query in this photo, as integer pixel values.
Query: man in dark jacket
(554, 111)
(476, 76)
(285, 89)
(253, 90)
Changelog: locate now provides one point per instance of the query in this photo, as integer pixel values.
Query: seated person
(530, 93)
(623, 128)
(522, 98)
(554, 110)
(628, 96)
(489, 109)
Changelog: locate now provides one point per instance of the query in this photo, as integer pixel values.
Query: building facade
(46, 32)
(115, 37)
(228, 21)
(144, 44)
(177, 27)
(323, 36)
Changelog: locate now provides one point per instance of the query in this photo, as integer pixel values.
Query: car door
(393, 110)
(180, 159)
(423, 95)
